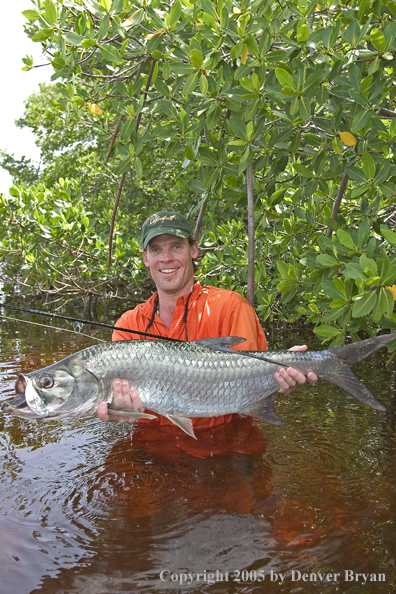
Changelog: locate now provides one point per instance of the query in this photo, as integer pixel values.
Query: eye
(46, 381)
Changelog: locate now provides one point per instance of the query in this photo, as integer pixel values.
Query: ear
(145, 258)
(194, 250)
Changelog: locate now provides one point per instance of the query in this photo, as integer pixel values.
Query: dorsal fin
(220, 342)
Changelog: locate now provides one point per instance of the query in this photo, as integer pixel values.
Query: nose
(166, 255)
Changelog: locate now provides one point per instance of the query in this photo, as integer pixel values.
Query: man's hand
(124, 397)
(289, 378)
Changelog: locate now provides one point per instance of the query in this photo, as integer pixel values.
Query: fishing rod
(146, 334)
(80, 321)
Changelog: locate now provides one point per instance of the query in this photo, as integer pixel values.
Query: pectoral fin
(185, 423)
(265, 412)
(129, 413)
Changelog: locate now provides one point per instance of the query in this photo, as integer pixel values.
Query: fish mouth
(19, 402)
(27, 402)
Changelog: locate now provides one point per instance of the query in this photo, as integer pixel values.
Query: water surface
(87, 508)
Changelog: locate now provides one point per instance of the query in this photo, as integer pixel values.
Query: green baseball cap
(165, 223)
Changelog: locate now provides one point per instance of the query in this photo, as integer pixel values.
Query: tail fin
(352, 353)
(347, 356)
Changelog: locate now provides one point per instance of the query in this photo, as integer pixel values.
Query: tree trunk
(250, 200)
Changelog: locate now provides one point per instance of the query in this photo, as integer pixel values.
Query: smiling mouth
(168, 270)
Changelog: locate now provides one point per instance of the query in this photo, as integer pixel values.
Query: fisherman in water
(183, 309)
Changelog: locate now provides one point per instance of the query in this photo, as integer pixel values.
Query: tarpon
(203, 378)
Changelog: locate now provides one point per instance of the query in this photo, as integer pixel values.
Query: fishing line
(80, 321)
(51, 327)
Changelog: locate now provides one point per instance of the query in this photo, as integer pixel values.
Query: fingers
(312, 377)
(102, 411)
(289, 378)
(124, 397)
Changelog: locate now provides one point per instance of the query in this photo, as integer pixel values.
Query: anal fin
(183, 422)
(265, 411)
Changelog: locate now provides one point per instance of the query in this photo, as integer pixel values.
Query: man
(182, 309)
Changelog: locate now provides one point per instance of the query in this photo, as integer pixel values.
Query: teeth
(167, 270)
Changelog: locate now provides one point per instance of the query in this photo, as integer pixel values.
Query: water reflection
(85, 508)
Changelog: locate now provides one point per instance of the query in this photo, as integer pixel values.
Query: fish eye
(46, 381)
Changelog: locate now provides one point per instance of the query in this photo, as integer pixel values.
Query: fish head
(64, 389)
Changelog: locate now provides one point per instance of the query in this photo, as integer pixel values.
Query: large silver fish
(203, 378)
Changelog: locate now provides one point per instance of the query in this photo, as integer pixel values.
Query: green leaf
(389, 235)
(138, 168)
(359, 191)
(189, 153)
(87, 43)
(104, 28)
(284, 78)
(377, 38)
(238, 127)
(295, 142)
(356, 174)
(206, 157)
(191, 83)
(327, 331)
(73, 38)
(387, 302)
(211, 177)
(134, 19)
(245, 160)
(334, 289)
(203, 84)
(387, 188)
(383, 172)
(368, 265)
(360, 120)
(123, 166)
(196, 58)
(368, 165)
(388, 276)
(58, 63)
(168, 108)
(365, 304)
(304, 108)
(302, 33)
(207, 6)
(327, 260)
(304, 171)
(32, 15)
(346, 239)
(175, 13)
(283, 268)
(42, 35)
(336, 313)
(51, 12)
(374, 66)
(110, 53)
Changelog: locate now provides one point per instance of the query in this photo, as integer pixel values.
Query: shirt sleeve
(242, 321)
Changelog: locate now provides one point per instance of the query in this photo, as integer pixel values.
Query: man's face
(169, 259)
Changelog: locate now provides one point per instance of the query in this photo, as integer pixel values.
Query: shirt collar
(147, 308)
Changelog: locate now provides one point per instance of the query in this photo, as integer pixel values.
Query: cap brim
(165, 231)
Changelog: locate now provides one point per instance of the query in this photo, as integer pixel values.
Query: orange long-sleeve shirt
(211, 312)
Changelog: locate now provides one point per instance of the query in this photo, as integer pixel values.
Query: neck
(167, 303)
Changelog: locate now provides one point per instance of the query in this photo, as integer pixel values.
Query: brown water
(307, 507)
